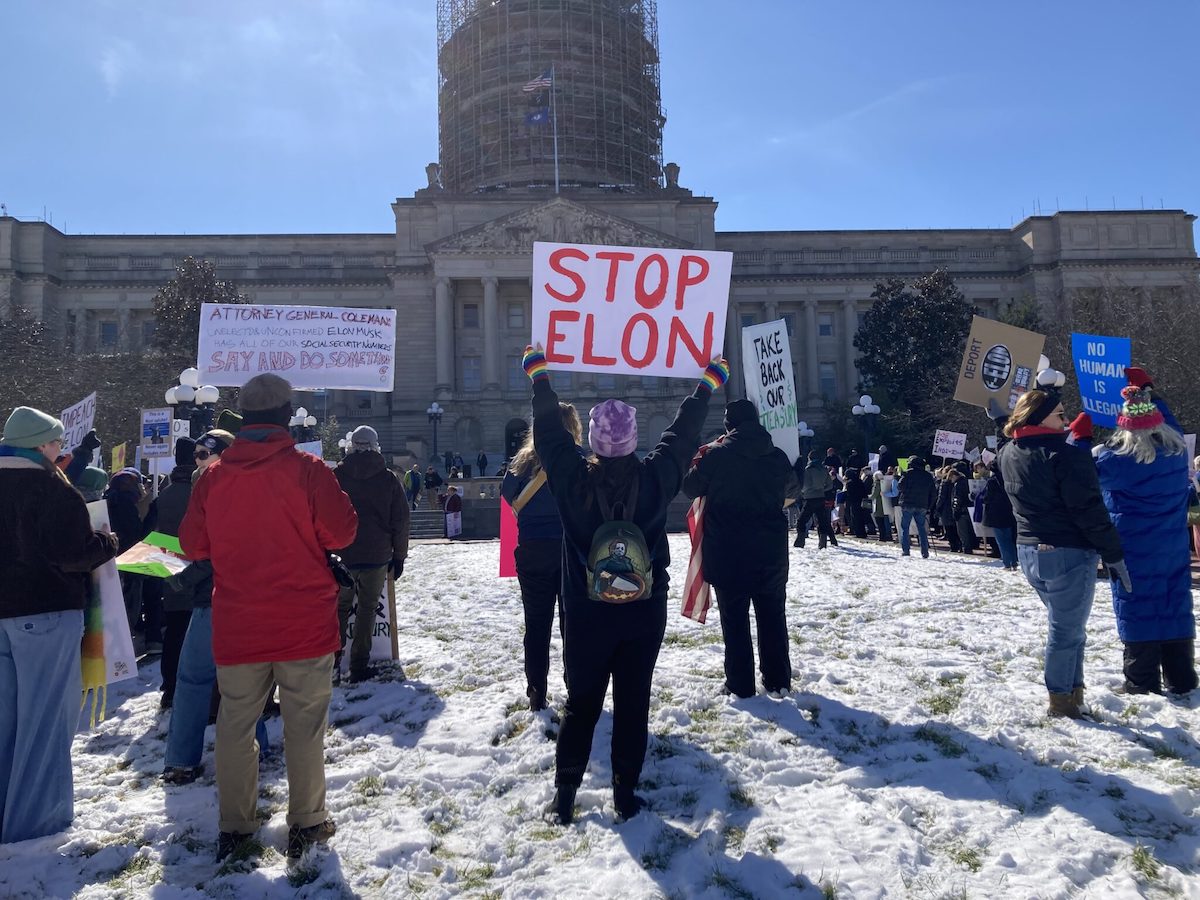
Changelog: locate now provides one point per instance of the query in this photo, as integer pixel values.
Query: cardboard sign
(949, 444)
(999, 363)
(1100, 367)
(310, 346)
(629, 310)
(118, 458)
(771, 383)
(77, 421)
(156, 433)
(508, 540)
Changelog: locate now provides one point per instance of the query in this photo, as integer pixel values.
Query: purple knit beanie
(612, 429)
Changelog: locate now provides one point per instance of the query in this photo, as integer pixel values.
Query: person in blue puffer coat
(1143, 473)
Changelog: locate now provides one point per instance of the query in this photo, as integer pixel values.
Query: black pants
(814, 509)
(966, 533)
(770, 617)
(539, 571)
(884, 524)
(1152, 665)
(609, 640)
(175, 626)
(858, 518)
(950, 530)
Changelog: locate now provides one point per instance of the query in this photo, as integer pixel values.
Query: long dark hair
(612, 476)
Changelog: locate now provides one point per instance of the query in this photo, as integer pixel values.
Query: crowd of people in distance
(282, 551)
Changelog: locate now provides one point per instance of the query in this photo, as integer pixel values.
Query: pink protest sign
(508, 540)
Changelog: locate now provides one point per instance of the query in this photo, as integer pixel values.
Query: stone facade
(458, 270)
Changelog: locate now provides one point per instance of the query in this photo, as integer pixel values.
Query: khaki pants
(304, 692)
(368, 587)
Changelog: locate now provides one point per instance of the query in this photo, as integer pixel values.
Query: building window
(108, 335)
(825, 324)
(470, 315)
(472, 374)
(748, 320)
(516, 315)
(148, 328)
(789, 320)
(828, 376)
(363, 400)
(516, 374)
(606, 384)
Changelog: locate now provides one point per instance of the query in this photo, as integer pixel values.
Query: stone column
(491, 333)
(443, 299)
(850, 318)
(772, 311)
(812, 374)
(124, 329)
(81, 330)
(733, 353)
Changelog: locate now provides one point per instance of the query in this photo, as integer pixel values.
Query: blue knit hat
(29, 428)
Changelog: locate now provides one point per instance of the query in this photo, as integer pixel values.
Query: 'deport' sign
(999, 363)
(629, 310)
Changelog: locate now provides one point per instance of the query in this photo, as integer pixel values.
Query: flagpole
(554, 125)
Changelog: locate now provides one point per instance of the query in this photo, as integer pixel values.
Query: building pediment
(560, 221)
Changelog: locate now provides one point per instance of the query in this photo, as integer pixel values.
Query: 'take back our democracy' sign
(629, 310)
(311, 346)
(1100, 366)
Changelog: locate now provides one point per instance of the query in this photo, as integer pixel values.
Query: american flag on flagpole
(697, 593)
(543, 81)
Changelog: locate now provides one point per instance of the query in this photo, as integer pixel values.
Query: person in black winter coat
(816, 484)
(961, 509)
(611, 640)
(914, 497)
(747, 481)
(132, 516)
(177, 605)
(856, 493)
(998, 516)
(945, 509)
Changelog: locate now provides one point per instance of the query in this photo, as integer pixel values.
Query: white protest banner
(629, 310)
(453, 524)
(311, 346)
(771, 383)
(156, 433)
(991, 440)
(119, 659)
(384, 640)
(313, 447)
(77, 421)
(949, 444)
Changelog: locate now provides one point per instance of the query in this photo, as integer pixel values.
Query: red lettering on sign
(615, 258)
(589, 328)
(556, 264)
(554, 336)
(651, 341)
(686, 280)
(679, 332)
(651, 299)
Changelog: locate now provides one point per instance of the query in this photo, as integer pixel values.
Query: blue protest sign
(1100, 366)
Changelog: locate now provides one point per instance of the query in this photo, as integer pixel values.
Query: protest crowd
(591, 560)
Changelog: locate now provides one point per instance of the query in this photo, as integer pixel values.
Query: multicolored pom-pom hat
(1139, 412)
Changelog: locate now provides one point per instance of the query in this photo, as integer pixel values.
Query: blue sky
(311, 115)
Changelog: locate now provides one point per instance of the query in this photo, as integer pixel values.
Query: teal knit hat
(92, 479)
(29, 428)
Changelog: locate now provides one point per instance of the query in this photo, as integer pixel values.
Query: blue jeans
(907, 514)
(193, 696)
(40, 695)
(1065, 579)
(1006, 540)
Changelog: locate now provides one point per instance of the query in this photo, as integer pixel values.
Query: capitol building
(550, 128)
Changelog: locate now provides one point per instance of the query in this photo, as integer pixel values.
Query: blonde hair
(525, 461)
(1026, 407)
(1144, 443)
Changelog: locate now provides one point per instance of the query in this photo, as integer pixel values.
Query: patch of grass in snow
(967, 857)
(1130, 710)
(740, 798)
(242, 854)
(945, 744)
(1143, 861)
(546, 833)
(475, 877)
(772, 842)
(370, 786)
(303, 872)
(990, 771)
(658, 857)
(139, 870)
(734, 837)
(707, 714)
(1160, 749)
(946, 701)
(721, 879)
(860, 593)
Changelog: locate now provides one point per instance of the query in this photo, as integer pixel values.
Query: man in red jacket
(265, 514)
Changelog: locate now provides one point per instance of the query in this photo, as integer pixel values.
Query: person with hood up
(1062, 528)
(538, 554)
(614, 633)
(47, 550)
(747, 481)
(961, 506)
(815, 484)
(1143, 473)
(380, 547)
(266, 515)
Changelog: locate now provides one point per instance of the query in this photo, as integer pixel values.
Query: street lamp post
(435, 413)
(866, 408)
(193, 401)
(301, 425)
(805, 433)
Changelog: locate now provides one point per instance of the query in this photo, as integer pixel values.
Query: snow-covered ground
(913, 759)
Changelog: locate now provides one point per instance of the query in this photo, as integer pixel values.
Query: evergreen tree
(177, 305)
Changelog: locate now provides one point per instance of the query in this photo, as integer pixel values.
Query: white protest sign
(384, 640)
(949, 444)
(310, 346)
(77, 421)
(988, 456)
(156, 433)
(453, 524)
(873, 461)
(991, 440)
(119, 659)
(771, 383)
(313, 447)
(629, 310)
(972, 454)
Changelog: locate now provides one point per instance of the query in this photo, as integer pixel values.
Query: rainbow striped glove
(534, 362)
(716, 373)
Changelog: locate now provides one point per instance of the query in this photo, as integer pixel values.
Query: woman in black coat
(610, 636)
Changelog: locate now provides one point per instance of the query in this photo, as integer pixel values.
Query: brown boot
(1077, 697)
(1063, 706)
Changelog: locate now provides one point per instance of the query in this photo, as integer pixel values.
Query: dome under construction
(523, 82)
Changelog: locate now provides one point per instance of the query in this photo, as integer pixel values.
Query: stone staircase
(428, 521)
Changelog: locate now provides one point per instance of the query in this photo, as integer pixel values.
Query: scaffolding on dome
(607, 98)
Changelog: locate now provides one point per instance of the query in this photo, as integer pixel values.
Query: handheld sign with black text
(771, 383)
(999, 363)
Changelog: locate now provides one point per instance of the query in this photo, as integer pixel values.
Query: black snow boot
(628, 803)
(563, 805)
